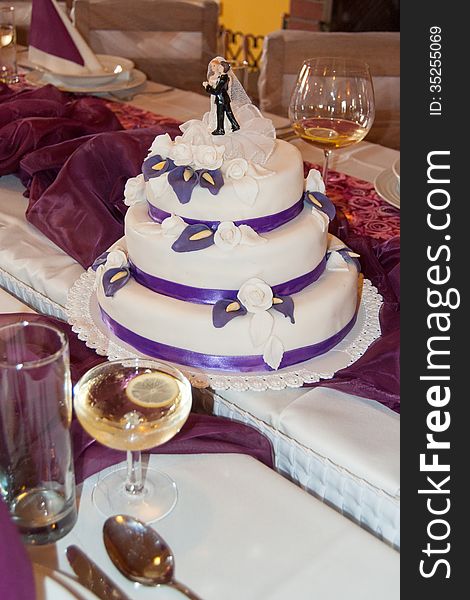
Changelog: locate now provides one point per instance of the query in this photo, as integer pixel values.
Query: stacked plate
(387, 184)
(118, 75)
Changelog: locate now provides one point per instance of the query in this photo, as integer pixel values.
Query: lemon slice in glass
(152, 390)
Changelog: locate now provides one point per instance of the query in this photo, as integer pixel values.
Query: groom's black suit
(222, 102)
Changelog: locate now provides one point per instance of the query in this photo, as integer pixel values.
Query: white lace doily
(83, 314)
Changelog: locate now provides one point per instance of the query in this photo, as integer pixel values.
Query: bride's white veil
(256, 138)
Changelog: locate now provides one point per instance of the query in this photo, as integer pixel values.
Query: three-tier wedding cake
(226, 262)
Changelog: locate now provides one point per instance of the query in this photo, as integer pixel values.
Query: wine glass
(332, 105)
(133, 405)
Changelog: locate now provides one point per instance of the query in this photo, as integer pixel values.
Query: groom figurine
(217, 85)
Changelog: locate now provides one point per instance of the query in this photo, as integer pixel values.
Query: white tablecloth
(340, 447)
(240, 531)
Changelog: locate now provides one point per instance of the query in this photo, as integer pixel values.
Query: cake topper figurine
(232, 128)
(218, 84)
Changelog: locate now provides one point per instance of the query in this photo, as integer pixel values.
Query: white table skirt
(342, 448)
(240, 531)
(349, 470)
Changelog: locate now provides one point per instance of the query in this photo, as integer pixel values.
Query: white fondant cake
(304, 239)
(226, 261)
(276, 187)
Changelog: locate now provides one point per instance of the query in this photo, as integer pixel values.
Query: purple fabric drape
(376, 375)
(201, 434)
(34, 119)
(74, 162)
(78, 203)
(16, 574)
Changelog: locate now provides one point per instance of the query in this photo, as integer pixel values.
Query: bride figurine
(218, 83)
(233, 121)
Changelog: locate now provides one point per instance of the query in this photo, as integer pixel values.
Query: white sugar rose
(314, 182)
(255, 295)
(182, 154)
(116, 259)
(227, 236)
(173, 226)
(161, 145)
(195, 133)
(208, 157)
(134, 190)
(236, 168)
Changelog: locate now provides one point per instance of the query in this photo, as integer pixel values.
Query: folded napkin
(56, 45)
(16, 574)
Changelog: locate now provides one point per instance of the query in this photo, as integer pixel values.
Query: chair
(172, 41)
(283, 54)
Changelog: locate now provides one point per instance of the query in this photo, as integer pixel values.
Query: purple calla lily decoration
(115, 279)
(194, 237)
(284, 305)
(321, 202)
(156, 165)
(183, 180)
(350, 257)
(226, 310)
(212, 180)
(100, 260)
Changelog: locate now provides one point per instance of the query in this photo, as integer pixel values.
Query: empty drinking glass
(36, 463)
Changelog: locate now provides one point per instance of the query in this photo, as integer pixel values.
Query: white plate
(113, 67)
(396, 168)
(135, 79)
(386, 185)
(54, 585)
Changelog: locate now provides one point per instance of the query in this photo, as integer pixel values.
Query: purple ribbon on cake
(211, 296)
(244, 364)
(259, 224)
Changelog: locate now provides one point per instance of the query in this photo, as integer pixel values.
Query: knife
(92, 577)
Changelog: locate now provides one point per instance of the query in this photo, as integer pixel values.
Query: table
(318, 443)
(253, 535)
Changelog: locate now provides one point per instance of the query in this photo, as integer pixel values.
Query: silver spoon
(141, 554)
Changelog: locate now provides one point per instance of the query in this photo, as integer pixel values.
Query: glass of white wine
(133, 405)
(332, 105)
(8, 66)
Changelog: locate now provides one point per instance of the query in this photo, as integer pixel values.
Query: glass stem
(134, 484)
(325, 164)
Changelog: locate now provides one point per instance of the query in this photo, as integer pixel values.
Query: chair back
(284, 52)
(172, 41)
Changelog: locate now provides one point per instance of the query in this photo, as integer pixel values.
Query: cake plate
(83, 314)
